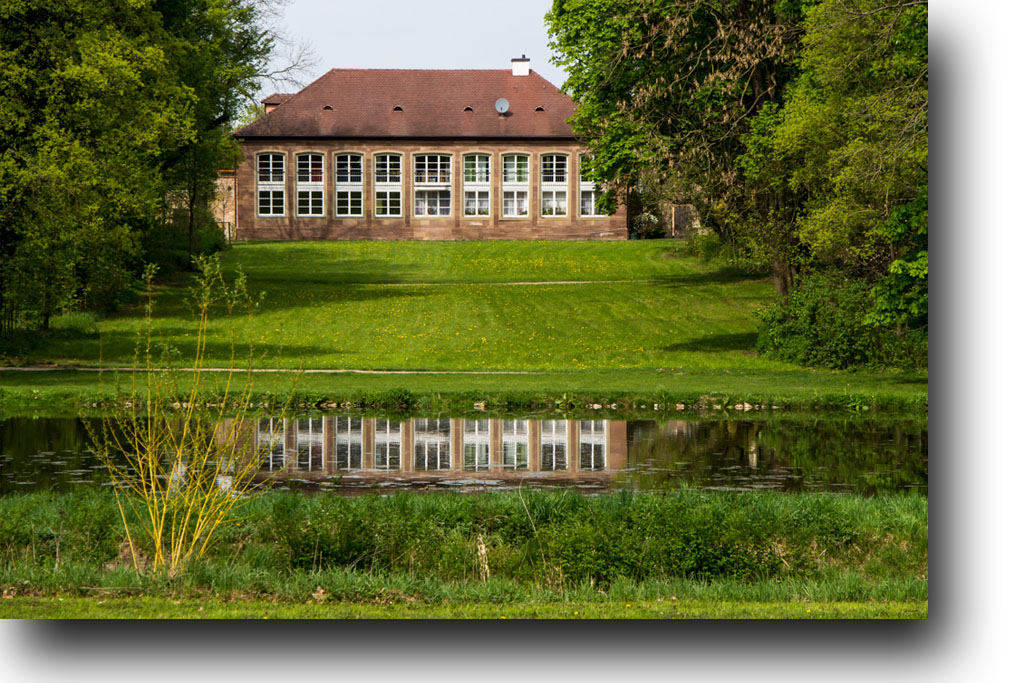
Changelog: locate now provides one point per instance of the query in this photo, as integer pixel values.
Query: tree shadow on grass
(334, 273)
(279, 298)
(724, 275)
(738, 341)
(119, 349)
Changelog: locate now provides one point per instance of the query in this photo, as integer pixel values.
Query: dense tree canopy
(111, 113)
(798, 128)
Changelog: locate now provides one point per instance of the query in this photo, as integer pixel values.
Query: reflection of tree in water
(866, 457)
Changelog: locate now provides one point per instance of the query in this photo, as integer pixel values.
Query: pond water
(353, 454)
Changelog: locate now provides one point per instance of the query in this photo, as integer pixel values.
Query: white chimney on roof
(521, 66)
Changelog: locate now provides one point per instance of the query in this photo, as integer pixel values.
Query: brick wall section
(249, 226)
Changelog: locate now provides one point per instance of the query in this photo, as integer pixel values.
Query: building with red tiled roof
(417, 154)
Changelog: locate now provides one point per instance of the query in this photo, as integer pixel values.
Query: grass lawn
(633, 316)
(168, 608)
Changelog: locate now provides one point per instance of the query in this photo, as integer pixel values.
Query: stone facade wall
(249, 226)
(223, 205)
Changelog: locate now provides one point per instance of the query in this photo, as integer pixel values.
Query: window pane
(388, 168)
(270, 168)
(477, 169)
(349, 168)
(554, 168)
(515, 169)
(587, 203)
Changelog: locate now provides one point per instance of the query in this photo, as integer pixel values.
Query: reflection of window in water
(513, 444)
(348, 443)
(387, 444)
(309, 444)
(554, 444)
(270, 443)
(476, 435)
(432, 445)
(591, 445)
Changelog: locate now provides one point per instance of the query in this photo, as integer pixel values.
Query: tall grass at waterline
(507, 545)
(632, 392)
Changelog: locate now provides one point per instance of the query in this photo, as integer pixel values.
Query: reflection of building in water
(554, 446)
(387, 445)
(514, 442)
(329, 445)
(270, 443)
(432, 445)
(592, 444)
(476, 445)
(309, 444)
(348, 443)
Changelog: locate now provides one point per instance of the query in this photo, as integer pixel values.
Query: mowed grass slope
(461, 306)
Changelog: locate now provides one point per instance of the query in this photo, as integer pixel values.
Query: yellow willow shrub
(180, 452)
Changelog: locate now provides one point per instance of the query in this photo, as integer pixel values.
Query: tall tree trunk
(191, 219)
(782, 276)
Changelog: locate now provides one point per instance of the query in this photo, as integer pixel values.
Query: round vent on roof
(501, 105)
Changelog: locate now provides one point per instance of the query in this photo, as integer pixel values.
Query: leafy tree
(850, 146)
(88, 103)
(667, 90)
(219, 49)
(114, 115)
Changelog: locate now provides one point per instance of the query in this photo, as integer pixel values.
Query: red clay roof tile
(351, 103)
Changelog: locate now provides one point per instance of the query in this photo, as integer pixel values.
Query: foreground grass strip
(165, 608)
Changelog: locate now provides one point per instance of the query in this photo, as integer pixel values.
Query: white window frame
(390, 185)
(515, 442)
(474, 186)
(306, 183)
(270, 432)
(387, 442)
(476, 445)
(350, 183)
(432, 444)
(309, 444)
(432, 203)
(593, 445)
(516, 185)
(271, 182)
(432, 185)
(554, 433)
(348, 443)
(554, 185)
(589, 187)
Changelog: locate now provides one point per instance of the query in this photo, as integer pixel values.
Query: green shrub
(75, 325)
(822, 324)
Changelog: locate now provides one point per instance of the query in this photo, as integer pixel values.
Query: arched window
(476, 184)
(309, 185)
(387, 180)
(348, 185)
(270, 184)
(554, 185)
(432, 185)
(515, 186)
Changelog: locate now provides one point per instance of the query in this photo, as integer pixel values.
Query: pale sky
(417, 34)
